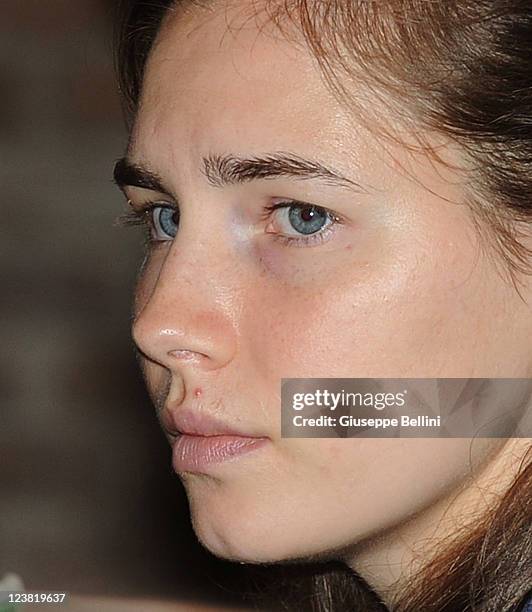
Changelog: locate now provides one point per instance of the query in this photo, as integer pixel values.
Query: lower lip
(195, 453)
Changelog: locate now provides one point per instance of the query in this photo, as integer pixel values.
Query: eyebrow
(126, 173)
(224, 170)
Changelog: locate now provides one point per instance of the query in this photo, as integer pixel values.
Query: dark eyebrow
(126, 173)
(222, 170)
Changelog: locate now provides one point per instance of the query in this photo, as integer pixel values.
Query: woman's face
(234, 297)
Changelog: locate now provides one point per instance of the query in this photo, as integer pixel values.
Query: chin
(238, 534)
(257, 547)
(242, 529)
(238, 529)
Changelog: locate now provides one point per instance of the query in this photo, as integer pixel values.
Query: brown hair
(464, 69)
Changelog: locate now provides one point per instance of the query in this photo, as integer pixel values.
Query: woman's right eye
(164, 222)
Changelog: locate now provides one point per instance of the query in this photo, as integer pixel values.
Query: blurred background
(89, 502)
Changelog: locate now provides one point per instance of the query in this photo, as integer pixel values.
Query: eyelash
(144, 218)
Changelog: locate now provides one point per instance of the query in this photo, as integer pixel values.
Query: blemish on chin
(197, 392)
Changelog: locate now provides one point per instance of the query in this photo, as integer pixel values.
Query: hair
(461, 68)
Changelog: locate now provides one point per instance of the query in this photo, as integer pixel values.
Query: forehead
(227, 80)
(217, 48)
(228, 73)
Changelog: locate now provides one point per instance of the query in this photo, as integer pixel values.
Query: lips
(201, 453)
(196, 423)
(202, 440)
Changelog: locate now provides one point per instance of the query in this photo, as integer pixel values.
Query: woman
(337, 189)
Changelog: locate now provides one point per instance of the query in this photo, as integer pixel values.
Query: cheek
(372, 485)
(361, 321)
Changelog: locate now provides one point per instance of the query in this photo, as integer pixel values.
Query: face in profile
(292, 238)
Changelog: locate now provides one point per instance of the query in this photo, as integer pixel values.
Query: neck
(391, 561)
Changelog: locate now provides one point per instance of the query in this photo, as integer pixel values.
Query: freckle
(197, 392)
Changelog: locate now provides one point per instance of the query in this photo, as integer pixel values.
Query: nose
(184, 316)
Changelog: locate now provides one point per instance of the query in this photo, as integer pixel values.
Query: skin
(401, 288)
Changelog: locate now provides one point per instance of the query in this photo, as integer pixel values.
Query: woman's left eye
(300, 223)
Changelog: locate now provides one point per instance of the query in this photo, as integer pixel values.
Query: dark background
(88, 501)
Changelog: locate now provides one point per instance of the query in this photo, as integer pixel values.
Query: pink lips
(195, 453)
(205, 441)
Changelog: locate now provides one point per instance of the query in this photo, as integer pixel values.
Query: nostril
(170, 332)
(185, 355)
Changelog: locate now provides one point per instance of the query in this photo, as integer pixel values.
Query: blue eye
(295, 219)
(307, 219)
(300, 224)
(165, 221)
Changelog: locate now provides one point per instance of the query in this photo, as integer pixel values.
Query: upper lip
(196, 423)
